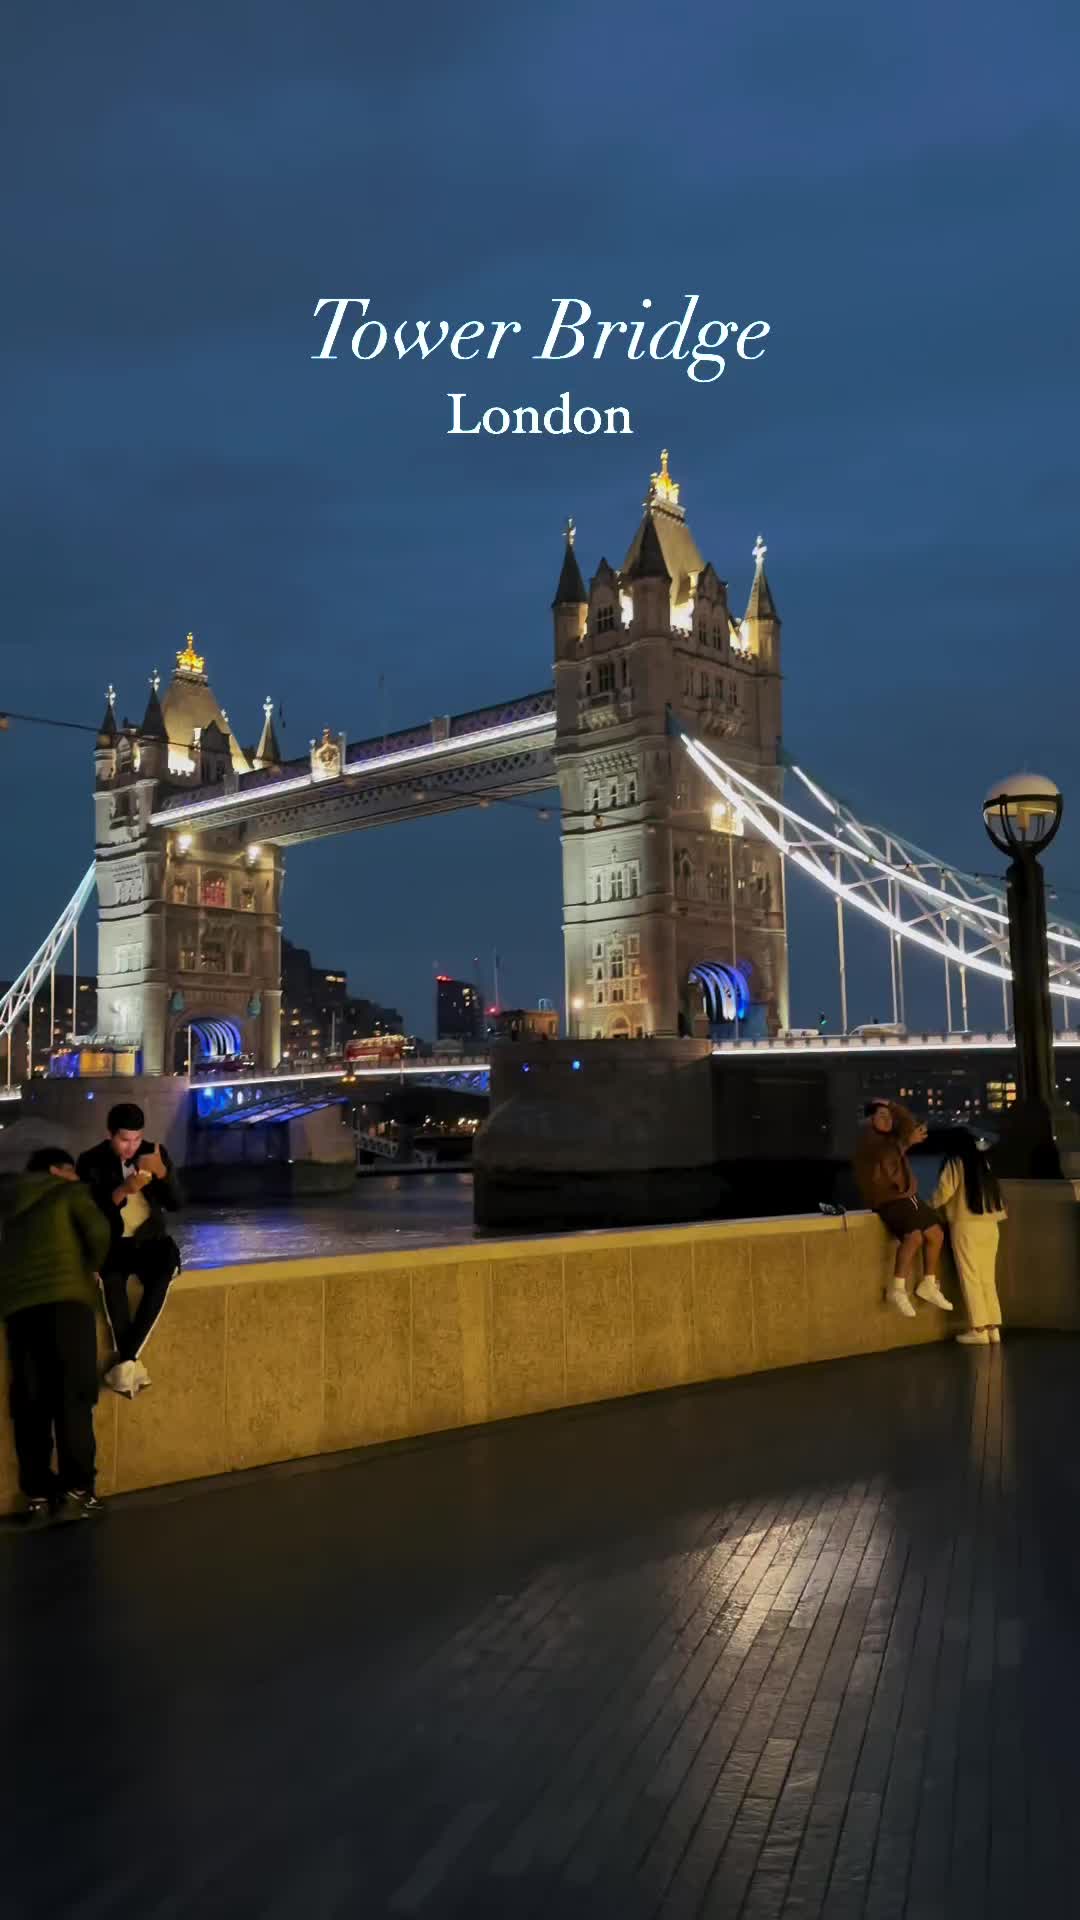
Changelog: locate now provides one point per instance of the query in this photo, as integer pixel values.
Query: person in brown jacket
(888, 1187)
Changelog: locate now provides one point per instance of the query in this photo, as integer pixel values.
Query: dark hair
(981, 1190)
(44, 1159)
(126, 1118)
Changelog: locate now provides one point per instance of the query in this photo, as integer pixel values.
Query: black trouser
(54, 1388)
(154, 1263)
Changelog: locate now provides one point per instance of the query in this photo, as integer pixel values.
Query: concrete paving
(804, 1644)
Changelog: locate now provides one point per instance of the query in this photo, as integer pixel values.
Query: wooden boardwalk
(806, 1644)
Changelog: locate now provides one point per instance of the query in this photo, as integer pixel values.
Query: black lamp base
(1038, 1142)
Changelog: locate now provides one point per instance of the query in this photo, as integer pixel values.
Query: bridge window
(186, 960)
(633, 943)
(718, 637)
(214, 890)
(704, 686)
(605, 619)
(212, 957)
(618, 993)
(617, 964)
(588, 682)
(632, 874)
(684, 875)
(613, 794)
(617, 884)
(597, 892)
(181, 893)
(605, 677)
(594, 800)
(733, 694)
(631, 790)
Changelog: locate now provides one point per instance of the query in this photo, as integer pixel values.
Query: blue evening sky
(893, 189)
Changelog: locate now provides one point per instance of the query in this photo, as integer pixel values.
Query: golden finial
(188, 659)
(663, 487)
(759, 551)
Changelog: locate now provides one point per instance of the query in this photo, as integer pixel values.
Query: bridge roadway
(798, 1647)
(454, 761)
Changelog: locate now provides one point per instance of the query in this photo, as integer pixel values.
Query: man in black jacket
(133, 1182)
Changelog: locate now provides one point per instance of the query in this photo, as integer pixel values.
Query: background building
(523, 1023)
(320, 1016)
(459, 1011)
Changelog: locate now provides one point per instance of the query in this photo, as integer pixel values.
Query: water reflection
(398, 1210)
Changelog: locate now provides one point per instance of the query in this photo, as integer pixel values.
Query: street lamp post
(1041, 1136)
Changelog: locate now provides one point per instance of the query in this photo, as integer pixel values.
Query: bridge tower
(673, 911)
(189, 927)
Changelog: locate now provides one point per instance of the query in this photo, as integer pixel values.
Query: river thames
(384, 1212)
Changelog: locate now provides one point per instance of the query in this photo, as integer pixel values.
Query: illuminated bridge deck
(803, 1645)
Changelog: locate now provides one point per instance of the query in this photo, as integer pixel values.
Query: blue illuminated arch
(724, 990)
(217, 1039)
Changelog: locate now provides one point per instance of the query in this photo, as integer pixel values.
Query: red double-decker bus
(378, 1050)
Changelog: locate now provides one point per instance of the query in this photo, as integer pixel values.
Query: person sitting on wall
(133, 1182)
(888, 1187)
(53, 1242)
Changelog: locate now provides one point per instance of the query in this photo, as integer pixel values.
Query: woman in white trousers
(969, 1198)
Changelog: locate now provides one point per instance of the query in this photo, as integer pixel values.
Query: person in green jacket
(54, 1239)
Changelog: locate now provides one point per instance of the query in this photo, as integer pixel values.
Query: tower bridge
(660, 740)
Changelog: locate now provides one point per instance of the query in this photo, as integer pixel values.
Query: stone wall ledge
(285, 1360)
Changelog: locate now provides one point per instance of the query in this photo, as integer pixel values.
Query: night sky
(894, 190)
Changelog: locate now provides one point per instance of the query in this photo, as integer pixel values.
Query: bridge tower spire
(661, 888)
(570, 605)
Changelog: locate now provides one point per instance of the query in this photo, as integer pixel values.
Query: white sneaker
(978, 1337)
(898, 1297)
(929, 1291)
(142, 1378)
(123, 1379)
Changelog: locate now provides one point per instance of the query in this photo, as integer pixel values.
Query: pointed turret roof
(605, 577)
(268, 753)
(108, 726)
(648, 561)
(667, 518)
(570, 591)
(189, 705)
(761, 605)
(153, 726)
